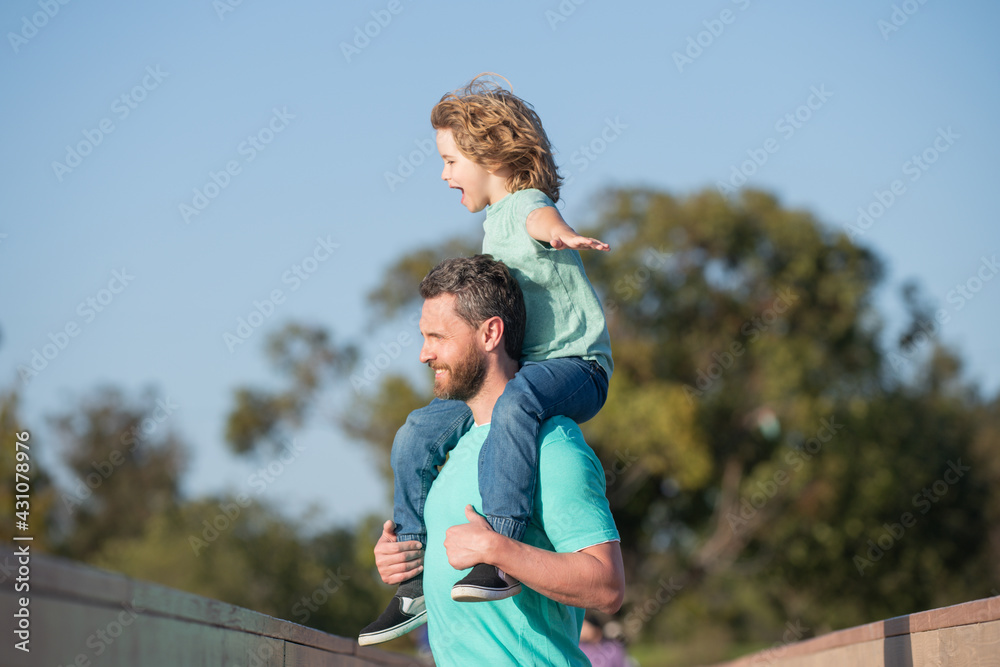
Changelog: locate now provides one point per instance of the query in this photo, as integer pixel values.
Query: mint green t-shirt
(565, 318)
(571, 513)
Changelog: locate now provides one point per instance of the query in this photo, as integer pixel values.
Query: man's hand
(470, 543)
(397, 561)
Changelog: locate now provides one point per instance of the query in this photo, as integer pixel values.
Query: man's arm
(592, 578)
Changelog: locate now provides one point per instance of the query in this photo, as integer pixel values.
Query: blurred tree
(757, 433)
(127, 463)
(251, 556)
(42, 501)
(261, 420)
(769, 460)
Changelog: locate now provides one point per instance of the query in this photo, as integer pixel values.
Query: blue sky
(204, 150)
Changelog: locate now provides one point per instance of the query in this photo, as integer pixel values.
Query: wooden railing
(80, 616)
(965, 635)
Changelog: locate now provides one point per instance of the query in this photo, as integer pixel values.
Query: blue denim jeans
(508, 461)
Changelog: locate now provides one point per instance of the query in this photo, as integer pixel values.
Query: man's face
(452, 349)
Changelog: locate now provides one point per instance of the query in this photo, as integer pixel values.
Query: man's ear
(492, 331)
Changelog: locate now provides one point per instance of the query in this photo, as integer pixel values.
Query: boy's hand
(576, 242)
(470, 543)
(397, 561)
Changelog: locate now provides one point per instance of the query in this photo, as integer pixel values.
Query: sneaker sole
(392, 633)
(476, 594)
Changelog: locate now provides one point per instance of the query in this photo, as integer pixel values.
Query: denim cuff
(406, 537)
(507, 527)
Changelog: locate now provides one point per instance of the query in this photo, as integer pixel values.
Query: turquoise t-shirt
(571, 513)
(565, 318)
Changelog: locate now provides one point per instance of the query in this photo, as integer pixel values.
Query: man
(472, 323)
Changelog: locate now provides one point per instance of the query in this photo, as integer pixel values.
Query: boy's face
(479, 186)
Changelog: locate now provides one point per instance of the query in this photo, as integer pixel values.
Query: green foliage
(398, 288)
(394, 399)
(310, 360)
(259, 560)
(756, 433)
(770, 463)
(126, 461)
(42, 504)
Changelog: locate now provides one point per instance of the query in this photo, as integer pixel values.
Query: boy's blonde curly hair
(494, 127)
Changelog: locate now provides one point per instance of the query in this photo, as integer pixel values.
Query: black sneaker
(400, 616)
(484, 584)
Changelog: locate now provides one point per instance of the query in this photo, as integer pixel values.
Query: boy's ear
(500, 171)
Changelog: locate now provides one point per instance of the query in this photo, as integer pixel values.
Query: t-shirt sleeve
(571, 499)
(528, 201)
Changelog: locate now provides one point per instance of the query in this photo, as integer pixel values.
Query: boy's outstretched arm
(546, 225)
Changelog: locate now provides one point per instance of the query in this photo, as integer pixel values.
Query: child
(497, 154)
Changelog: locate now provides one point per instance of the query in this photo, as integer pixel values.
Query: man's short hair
(483, 288)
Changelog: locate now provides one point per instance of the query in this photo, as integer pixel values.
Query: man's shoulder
(559, 428)
(562, 434)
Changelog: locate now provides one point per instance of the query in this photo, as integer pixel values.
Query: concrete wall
(965, 635)
(86, 617)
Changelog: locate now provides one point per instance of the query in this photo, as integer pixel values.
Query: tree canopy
(773, 456)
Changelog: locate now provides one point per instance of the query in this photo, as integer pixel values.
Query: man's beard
(467, 377)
